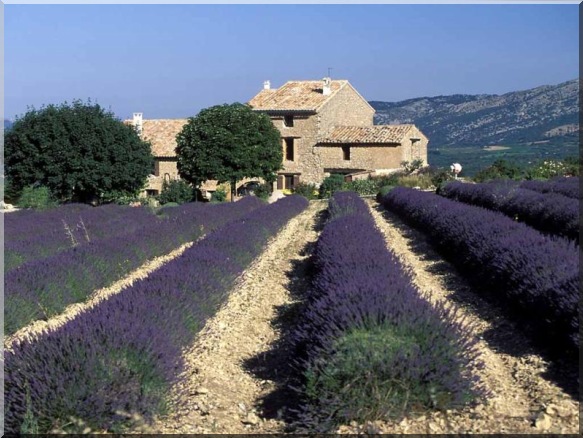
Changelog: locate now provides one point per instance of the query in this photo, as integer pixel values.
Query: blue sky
(170, 61)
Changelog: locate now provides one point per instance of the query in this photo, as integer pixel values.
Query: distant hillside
(488, 119)
(7, 124)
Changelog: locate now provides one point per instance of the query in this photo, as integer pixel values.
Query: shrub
(219, 195)
(177, 191)
(126, 353)
(552, 213)
(421, 181)
(370, 346)
(535, 276)
(263, 191)
(412, 166)
(383, 191)
(548, 169)
(43, 288)
(568, 187)
(363, 187)
(307, 190)
(39, 198)
(37, 235)
(390, 179)
(500, 169)
(572, 166)
(330, 185)
(118, 197)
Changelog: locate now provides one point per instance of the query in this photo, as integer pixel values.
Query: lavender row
(535, 275)
(564, 186)
(43, 288)
(550, 213)
(126, 353)
(37, 221)
(42, 234)
(372, 346)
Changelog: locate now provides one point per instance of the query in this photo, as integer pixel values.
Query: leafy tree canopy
(228, 143)
(79, 151)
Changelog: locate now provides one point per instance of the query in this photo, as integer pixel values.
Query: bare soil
(232, 382)
(240, 371)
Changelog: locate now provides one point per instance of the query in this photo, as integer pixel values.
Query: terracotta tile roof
(367, 134)
(161, 133)
(295, 96)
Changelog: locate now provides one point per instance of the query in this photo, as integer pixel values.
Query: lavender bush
(127, 352)
(550, 213)
(564, 186)
(36, 235)
(373, 348)
(43, 288)
(537, 276)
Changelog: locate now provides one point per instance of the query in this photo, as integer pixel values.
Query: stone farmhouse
(161, 133)
(326, 127)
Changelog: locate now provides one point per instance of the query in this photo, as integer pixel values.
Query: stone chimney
(138, 122)
(326, 90)
(267, 85)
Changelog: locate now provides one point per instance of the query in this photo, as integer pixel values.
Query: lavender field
(353, 331)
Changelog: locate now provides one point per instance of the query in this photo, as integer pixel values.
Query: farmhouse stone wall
(363, 157)
(305, 134)
(346, 108)
(166, 166)
(415, 150)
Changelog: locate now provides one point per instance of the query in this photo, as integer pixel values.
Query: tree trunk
(233, 189)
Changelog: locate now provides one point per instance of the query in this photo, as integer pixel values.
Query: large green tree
(228, 143)
(79, 151)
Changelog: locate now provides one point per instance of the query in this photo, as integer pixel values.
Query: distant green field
(473, 158)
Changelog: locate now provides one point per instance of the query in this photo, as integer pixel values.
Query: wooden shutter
(296, 181)
(279, 182)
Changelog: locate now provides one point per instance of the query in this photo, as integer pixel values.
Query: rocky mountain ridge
(489, 119)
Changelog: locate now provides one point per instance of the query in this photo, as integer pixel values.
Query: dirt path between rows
(35, 328)
(524, 399)
(229, 374)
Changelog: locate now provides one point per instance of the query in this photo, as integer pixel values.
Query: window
(288, 121)
(288, 182)
(346, 152)
(157, 168)
(289, 149)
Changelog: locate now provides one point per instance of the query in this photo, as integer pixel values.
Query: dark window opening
(346, 153)
(151, 192)
(289, 149)
(288, 121)
(290, 182)
(156, 168)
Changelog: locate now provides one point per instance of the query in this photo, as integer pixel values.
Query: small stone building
(161, 133)
(327, 127)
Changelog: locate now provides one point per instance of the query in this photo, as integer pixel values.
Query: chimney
(267, 85)
(138, 122)
(326, 90)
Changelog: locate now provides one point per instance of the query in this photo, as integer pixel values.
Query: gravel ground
(32, 330)
(239, 369)
(524, 400)
(231, 374)
(238, 377)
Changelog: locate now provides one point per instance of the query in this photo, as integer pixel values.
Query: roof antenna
(329, 70)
